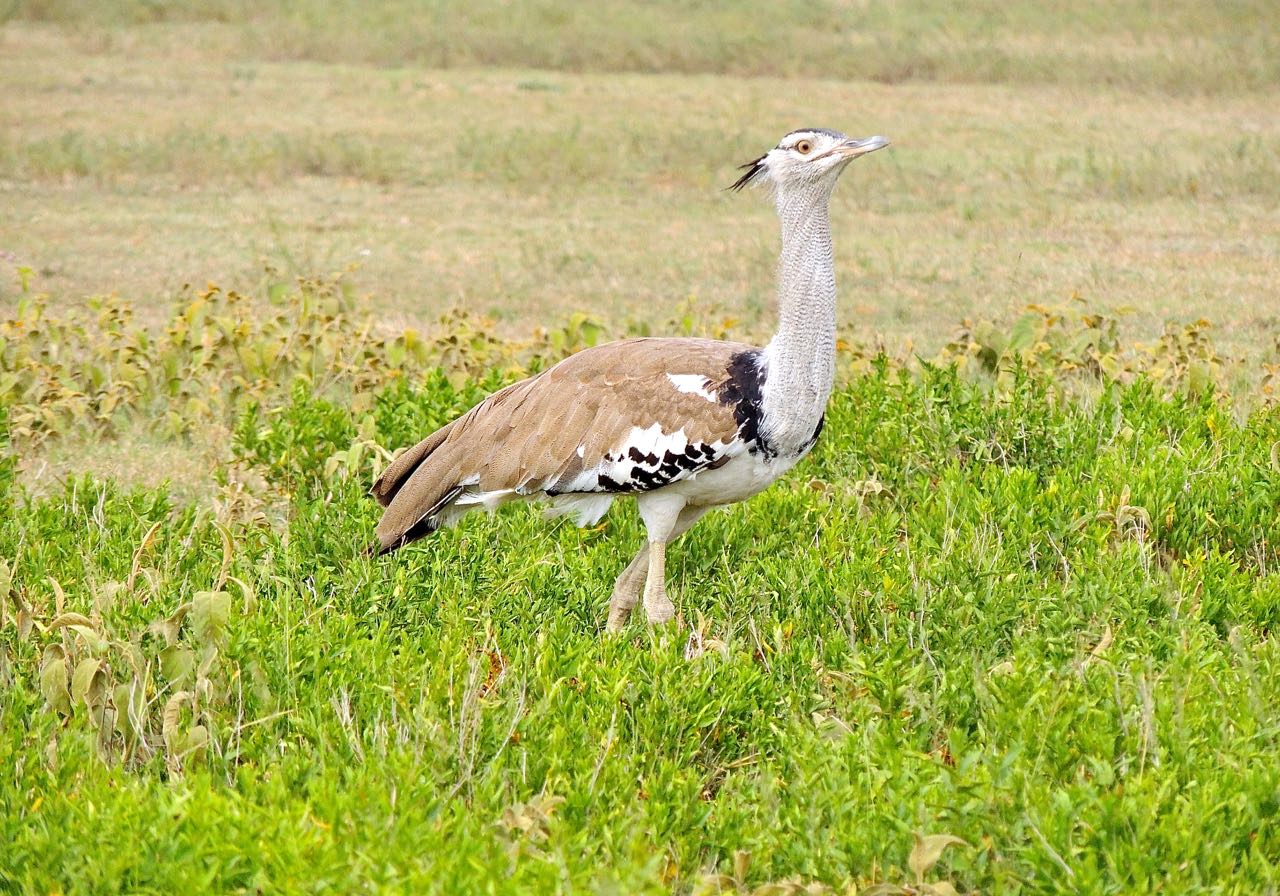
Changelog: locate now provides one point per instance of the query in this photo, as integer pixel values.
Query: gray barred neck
(799, 362)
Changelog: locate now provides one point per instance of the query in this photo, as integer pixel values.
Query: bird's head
(806, 158)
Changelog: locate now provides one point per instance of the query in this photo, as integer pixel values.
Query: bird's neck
(800, 359)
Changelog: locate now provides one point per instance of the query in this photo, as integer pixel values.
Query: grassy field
(1010, 629)
(1033, 612)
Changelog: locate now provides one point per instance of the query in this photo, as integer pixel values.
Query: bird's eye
(804, 147)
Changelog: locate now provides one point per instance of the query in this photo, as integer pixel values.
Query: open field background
(1125, 156)
(1023, 594)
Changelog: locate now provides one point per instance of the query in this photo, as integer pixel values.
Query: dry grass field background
(1135, 167)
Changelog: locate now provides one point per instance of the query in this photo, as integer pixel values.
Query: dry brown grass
(126, 167)
(1175, 46)
(527, 194)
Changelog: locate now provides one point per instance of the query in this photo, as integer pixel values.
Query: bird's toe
(660, 612)
(618, 617)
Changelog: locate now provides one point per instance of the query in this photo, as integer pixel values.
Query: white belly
(739, 479)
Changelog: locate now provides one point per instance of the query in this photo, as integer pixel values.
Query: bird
(682, 425)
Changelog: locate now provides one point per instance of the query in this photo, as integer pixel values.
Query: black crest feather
(753, 168)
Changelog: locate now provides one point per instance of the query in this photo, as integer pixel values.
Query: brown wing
(551, 432)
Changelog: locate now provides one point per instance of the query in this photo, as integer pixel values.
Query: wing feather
(560, 429)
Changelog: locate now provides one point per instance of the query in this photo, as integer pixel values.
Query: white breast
(739, 479)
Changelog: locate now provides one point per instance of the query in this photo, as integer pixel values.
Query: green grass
(1039, 623)
(1023, 594)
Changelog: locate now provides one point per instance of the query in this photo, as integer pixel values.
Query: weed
(1022, 595)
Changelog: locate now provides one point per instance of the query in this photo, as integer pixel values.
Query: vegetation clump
(1009, 629)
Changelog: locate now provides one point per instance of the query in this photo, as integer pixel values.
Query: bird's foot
(659, 609)
(621, 604)
(618, 616)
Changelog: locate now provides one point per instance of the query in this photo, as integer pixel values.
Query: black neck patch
(813, 439)
(743, 391)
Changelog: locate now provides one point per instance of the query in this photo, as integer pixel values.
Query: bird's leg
(665, 524)
(626, 591)
(657, 606)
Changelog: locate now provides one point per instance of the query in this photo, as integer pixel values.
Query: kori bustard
(683, 425)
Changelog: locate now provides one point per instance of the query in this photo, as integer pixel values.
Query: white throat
(800, 360)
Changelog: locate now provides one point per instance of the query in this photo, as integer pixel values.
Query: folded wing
(621, 418)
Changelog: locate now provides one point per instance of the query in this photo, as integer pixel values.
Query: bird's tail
(393, 533)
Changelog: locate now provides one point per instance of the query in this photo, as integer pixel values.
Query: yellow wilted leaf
(331, 465)
(91, 638)
(142, 548)
(176, 663)
(927, 852)
(6, 582)
(207, 661)
(89, 688)
(59, 596)
(228, 549)
(172, 715)
(197, 737)
(24, 620)
(179, 742)
(210, 611)
(1101, 647)
(70, 619)
(246, 593)
(83, 680)
(168, 627)
(670, 871)
(53, 680)
(940, 888)
(1003, 668)
(129, 704)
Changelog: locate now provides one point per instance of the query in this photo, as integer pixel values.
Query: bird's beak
(861, 147)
